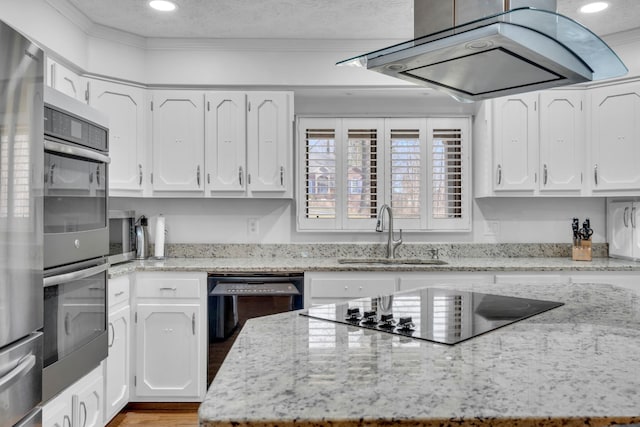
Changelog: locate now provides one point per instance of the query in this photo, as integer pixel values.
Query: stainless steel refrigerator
(21, 228)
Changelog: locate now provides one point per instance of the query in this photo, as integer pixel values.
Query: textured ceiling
(304, 19)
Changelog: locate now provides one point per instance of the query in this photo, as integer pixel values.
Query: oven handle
(24, 365)
(57, 147)
(75, 275)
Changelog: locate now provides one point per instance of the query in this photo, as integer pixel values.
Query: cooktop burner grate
(444, 316)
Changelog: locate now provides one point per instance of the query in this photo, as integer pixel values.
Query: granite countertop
(575, 365)
(281, 264)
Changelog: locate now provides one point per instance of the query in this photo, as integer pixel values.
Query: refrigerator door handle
(24, 365)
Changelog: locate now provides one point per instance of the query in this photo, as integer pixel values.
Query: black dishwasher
(234, 298)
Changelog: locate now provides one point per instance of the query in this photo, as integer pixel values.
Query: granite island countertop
(575, 365)
(279, 264)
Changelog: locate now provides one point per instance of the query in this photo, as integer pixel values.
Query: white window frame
(426, 126)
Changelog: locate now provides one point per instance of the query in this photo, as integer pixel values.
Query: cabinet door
(516, 143)
(225, 148)
(562, 141)
(66, 81)
(124, 105)
(269, 130)
(168, 350)
(615, 132)
(619, 229)
(88, 400)
(178, 141)
(57, 412)
(118, 362)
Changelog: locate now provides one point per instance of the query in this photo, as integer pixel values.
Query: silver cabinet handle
(633, 217)
(113, 334)
(90, 177)
(499, 174)
(193, 323)
(51, 169)
(168, 289)
(83, 406)
(545, 174)
(67, 322)
(281, 176)
(117, 294)
(240, 174)
(67, 420)
(208, 178)
(595, 174)
(198, 175)
(98, 174)
(140, 174)
(625, 217)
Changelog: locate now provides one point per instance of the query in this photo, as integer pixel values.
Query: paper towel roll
(159, 247)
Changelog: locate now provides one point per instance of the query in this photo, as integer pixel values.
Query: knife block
(582, 251)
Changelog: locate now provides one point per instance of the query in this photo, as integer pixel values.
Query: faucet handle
(435, 253)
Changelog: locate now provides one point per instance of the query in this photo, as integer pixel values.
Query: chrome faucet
(392, 244)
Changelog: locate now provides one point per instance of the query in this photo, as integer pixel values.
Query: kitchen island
(575, 365)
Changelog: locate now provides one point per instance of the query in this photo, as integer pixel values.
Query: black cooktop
(441, 315)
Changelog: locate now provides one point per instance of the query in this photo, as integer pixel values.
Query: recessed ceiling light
(594, 7)
(162, 5)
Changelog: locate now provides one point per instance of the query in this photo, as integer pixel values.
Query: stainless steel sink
(391, 261)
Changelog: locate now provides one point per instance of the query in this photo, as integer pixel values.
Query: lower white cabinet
(80, 405)
(117, 366)
(329, 287)
(170, 337)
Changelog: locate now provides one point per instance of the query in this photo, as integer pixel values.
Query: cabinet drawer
(118, 290)
(351, 288)
(169, 287)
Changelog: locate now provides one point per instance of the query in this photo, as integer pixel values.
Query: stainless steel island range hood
(481, 49)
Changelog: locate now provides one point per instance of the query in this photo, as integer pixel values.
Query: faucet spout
(392, 243)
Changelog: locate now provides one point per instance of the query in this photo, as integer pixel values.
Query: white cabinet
(623, 229)
(328, 287)
(249, 145)
(562, 141)
(615, 129)
(125, 107)
(539, 143)
(270, 143)
(80, 405)
(226, 143)
(118, 364)
(515, 144)
(178, 141)
(414, 280)
(66, 81)
(171, 341)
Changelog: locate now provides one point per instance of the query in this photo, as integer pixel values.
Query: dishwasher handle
(254, 288)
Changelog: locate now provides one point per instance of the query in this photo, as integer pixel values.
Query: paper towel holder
(160, 232)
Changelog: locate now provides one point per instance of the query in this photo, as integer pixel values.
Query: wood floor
(183, 416)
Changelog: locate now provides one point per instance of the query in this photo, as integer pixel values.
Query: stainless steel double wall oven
(76, 241)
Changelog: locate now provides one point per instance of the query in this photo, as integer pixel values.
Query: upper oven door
(75, 204)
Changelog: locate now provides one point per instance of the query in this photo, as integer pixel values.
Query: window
(353, 166)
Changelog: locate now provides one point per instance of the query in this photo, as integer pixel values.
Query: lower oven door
(20, 378)
(75, 323)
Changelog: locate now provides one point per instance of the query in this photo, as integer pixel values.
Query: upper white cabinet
(125, 107)
(615, 130)
(248, 145)
(226, 143)
(539, 143)
(178, 141)
(66, 81)
(562, 141)
(515, 142)
(269, 143)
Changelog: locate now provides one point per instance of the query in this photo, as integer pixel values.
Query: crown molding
(72, 14)
(623, 37)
